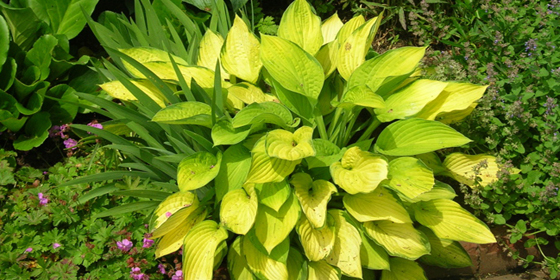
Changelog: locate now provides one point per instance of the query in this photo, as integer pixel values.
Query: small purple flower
(42, 200)
(70, 143)
(125, 245)
(178, 275)
(95, 124)
(56, 245)
(136, 274)
(147, 243)
(45, 172)
(29, 250)
(161, 268)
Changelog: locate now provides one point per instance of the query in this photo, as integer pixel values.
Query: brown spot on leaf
(347, 46)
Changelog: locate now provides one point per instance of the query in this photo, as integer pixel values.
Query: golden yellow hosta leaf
(313, 197)
(240, 54)
(330, 28)
(349, 27)
(172, 204)
(239, 210)
(359, 171)
(402, 269)
(454, 97)
(200, 248)
(249, 93)
(353, 50)
(209, 51)
(470, 168)
(328, 57)
(262, 265)
(410, 176)
(374, 206)
(317, 243)
(173, 240)
(285, 145)
(236, 262)
(273, 227)
(399, 240)
(266, 169)
(321, 270)
(346, 251)
(300, 25)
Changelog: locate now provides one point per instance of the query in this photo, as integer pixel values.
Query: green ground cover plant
(274, 147)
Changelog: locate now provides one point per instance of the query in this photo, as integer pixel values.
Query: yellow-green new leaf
(209, 51)
(173, 240)
(249, 93)
(330, 28)
(455, 116)
(439, 191)
(313, 197)
(292, 67)
(285, 145)
(410, 176)
(148, 54)
(190, 112)
(200, 246)
(321, 270)
(240, 54)
(402, 269)
(262, 265)
(266, 112)
(172, 204)
(455, 97)
(273, 227)
(265, 169)
(346, 251)
(236, 262)
(273, 195)
(410, 100)
(117, 90)
(372, 255)
(374, 206)
(175, 220)
(469, 169)
(445, 253)
(297, 265)
(234, 169)
(448, 220)
(417, 136)
(223, 133)
(432, 161)
(349, 27)
(360, 96)
(204, 77)
(300, 25)
(399, 240)
(317, 243)
(327, 56)
(353, 50)
(359, 171)
(239, 210)
(197, 170)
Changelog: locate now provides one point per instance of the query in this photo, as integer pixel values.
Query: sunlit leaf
(317, 243)
(402, 269)
(361, 96)
(285, 145)
(234, 168)
(439, 191)
(273, 195)
(273, 227)
(237, 264)
(359, 171)
(372, 255)
(239, 209)
(200, 246)
(240, 54)
(117, 90)
(353, 50)
(346, 251)
(469, 169)
(399, 240)
(455, 97)
(330, 28)
(349, 27)
(265, 267)
(172, 204)
(327, 56)
(197, 170)
(265, 169)
(445, 253)
(209, 51)
(387, 207)
(249, 93)
(297, 265)
(313, 197)
(266, 112)
(190, 112)
(300, 25)
(321, 270)
(410, 176)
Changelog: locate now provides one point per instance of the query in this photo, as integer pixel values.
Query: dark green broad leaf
(4, 40)
(223, 133)
(417, 136)
(32, 103)
(238, 4)
(23, 24)
(64, 17)
(63, 109)
(41, 54)
(36, 131)
(8, 73)
(205, 5)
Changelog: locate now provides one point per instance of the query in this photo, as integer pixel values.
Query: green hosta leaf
(169, 221)
(359, 171)
(410, 100)
(353, 50)
(4, 41)
(234, 169)
(313, 197)
(236, 262)
(283, 144)
(326, 153)
(273, 227)
(349, 27)
(450, 221)
(379, 70)
(372, 255)
(36, 132)
(117, 90)
(361, 96)
(265, 267)
(399, 240)
(172, 204)
(41, 54)
(410, 176)
(317, 243)
(327, 56)
(292, 67)
(65, 17)
(402, 269)
(346, 251)
(172, 240)
(197, 170)
(386, 207)
(321, 270)
(239, 209)
(265, 169)
(417, 136)
(199, 250)
(445, 253)
(455, 97)
(249, 93)
(455, 116)
(330, 28)
(209, 51)
(223, 133)
(439, 191)
(300, 25)
(190, 112)
(266, 112)
(432, 161)
(470, 168)
(273, 195)
(297, 266)
(240, 54)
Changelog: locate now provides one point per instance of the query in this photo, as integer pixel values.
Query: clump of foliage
(269, 146)
(38, 74)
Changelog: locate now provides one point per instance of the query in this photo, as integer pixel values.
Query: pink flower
(56, 245)
(147, 243)
(136, 274)
(168, 214)
(70, 143)
(178, 275)
(29, 250)
(95, 124)
(124, 245)
(161, 268)
(42, 199)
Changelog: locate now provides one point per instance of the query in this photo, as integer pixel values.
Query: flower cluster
(136, 273)
(125, 245)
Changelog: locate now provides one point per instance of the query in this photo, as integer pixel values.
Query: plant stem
(372, 126)
(321, 124)
(334, 122)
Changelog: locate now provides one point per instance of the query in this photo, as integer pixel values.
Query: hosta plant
(294, 157)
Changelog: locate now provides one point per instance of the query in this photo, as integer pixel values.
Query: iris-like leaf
(239, 209)
(402, 269)
(353, 50)
(190, 112)
(410, 176)
(321, 270)
(359, 171)
(266, 112)
(273, 227)
(265, 267)
(200, 247)
(346, 251)
(455, 97)
(292, 67)
(198, 170)
(173, 240)
(417, 136)
(361, 96)
(317, 243)
(236, 262)
(265, 169)
(399, 240)
(117, 90)
(410, 100)
(204, 77)
(445, 253)
(470, 168)
(249, 93)
(448, 220)
(273, 195)
(372, 255)
(361, 206)
(240, 54)
(330, 28)
(313, 197)
(290, 146)
(300, 25)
